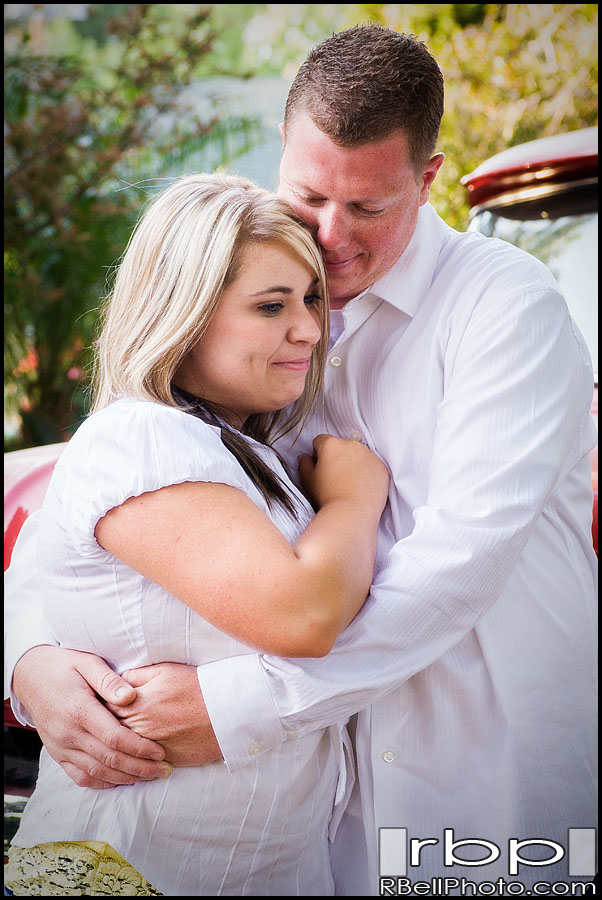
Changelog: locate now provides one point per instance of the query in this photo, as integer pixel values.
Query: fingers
(306, 464)
(142, 675)
(104, 681)
(127, 750)
(82, 779)
(320, 438)
(169, 708)
(82, 735)
(116, 756)
(88, 771)
(92, 746)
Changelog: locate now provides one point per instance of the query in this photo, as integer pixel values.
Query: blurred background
(104, 102)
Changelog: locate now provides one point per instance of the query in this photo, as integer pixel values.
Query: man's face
(362, 203)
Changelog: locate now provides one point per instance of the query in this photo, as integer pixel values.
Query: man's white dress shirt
(471, 663)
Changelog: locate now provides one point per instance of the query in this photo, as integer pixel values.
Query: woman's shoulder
(149, 445)
(129, 422)
(133, 413)
(129, 448)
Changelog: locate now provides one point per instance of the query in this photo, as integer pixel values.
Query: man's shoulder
(481, 259)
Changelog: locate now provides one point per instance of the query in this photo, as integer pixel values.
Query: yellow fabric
(76, 869)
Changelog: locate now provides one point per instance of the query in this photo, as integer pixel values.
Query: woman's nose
(306, 326)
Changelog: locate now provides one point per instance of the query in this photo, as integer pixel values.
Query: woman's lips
(295, 365)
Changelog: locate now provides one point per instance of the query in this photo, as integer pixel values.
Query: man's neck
(338, 303)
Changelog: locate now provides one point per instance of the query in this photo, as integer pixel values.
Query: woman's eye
(312, 299)
(270, 309)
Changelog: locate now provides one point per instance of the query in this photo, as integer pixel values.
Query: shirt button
(356, 435)
(335, 361)
(255, 748)
(388, 756)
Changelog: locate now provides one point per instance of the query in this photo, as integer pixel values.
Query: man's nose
(333, 228)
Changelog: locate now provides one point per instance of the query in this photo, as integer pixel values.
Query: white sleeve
(24, 622)
(128, 449)
(97, 471)
(513, 423)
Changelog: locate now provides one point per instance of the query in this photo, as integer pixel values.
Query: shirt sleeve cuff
(17, 641)
(241, 708)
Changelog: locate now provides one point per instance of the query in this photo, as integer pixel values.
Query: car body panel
(26, 477)
(536, 167)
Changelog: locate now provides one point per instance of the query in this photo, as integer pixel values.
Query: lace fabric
(79, 868)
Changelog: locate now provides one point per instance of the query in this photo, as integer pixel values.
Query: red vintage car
(26, 477)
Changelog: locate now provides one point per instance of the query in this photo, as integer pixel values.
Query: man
(470, 667)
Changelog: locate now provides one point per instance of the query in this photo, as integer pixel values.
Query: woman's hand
(343, 469)
(348, 485)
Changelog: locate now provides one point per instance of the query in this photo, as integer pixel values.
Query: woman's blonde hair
(185, 250)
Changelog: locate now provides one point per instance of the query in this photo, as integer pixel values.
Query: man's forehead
(311, 161)
(321, 181)
(301, 129)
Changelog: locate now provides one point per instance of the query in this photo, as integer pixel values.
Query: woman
(171, 531)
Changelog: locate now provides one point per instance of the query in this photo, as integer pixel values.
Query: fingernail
(166, 770)
(156, 755)
(122, 692)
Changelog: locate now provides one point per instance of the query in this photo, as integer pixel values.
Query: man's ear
(281, 131)
(428, 175)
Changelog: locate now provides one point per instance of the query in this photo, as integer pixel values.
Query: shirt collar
(407, 282)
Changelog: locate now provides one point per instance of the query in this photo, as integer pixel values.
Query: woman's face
(255, 354)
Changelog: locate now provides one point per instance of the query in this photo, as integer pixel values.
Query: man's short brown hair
(366, 82)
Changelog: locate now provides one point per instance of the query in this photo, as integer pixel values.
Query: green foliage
(95, 116)
(79, 130)
(278, 37)
(524, 74)
(513, 73)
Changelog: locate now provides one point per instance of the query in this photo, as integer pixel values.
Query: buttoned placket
(339, 416)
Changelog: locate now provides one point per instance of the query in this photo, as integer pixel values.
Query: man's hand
(169, 708)
(58, 687)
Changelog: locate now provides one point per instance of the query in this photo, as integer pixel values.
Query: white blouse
(202, 831)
